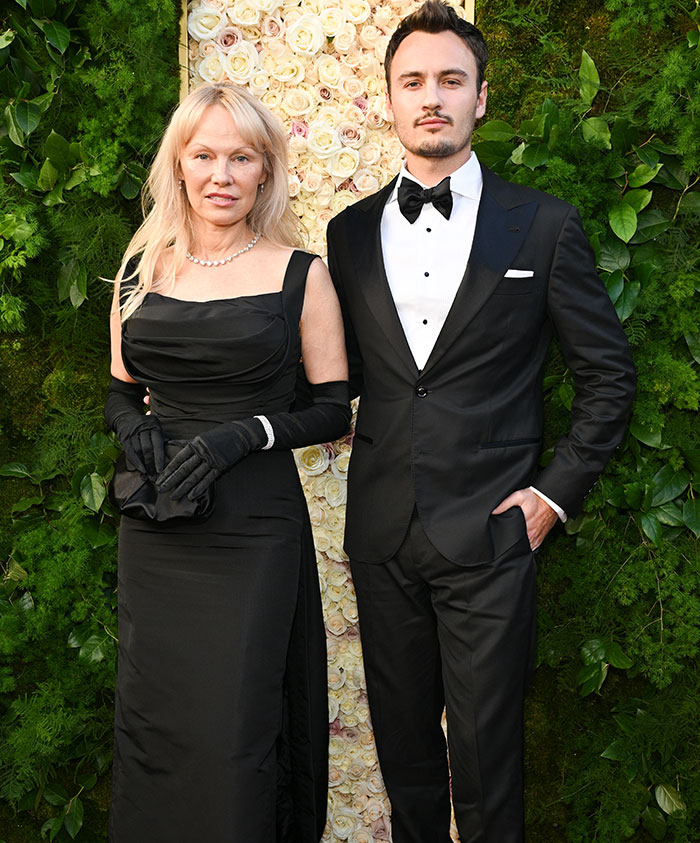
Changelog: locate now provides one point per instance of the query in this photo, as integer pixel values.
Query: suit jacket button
(421, 391)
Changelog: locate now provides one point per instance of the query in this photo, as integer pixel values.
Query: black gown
(221, 726)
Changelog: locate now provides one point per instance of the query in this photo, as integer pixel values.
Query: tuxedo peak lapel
(366, 247)
(498, 236)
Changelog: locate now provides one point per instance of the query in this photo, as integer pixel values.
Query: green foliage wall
(612, 718)
(85, 91)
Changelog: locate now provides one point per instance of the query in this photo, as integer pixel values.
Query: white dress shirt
(425, 262)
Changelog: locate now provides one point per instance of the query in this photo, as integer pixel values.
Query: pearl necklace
(222, 261)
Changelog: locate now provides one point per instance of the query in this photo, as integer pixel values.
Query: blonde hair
(168, 219)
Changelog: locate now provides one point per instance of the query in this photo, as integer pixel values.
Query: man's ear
(481, 100)
(389, 109)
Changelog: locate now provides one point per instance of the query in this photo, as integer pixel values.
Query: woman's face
(220, 171)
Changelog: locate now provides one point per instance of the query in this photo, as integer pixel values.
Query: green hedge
(612, 749)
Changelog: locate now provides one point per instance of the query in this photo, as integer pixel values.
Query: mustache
(432, 114)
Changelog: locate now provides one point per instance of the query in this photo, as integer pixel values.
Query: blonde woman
(221, 715)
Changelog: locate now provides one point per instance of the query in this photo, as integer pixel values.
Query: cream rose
(343, 823)
(312, 7)
(332, 18)
(353, 57)
(311, 181)
(357, 11)
(375, 809)
(341, 200)
(336, 679)
(344, 163)
(385, 18)
(244, 13)
(368, 36)
(265, 6)
(344, 38)
(370, 153)
(241, 62)
(336, 745)
(350, 612)
(360, 835)
(336, 520)
(325, 194)
(323, 140)
(305, 36)
(336, 623)
(366, 182)
(336, 491)
(336, 776)
(298, 101)
(289, 71)
(375, 783)
(259, 82)
(333, 708)
(211, 69)
(205, 22)
(369, 66)
(329, 71)
(312, 460)
(293, 185)
(352, 87)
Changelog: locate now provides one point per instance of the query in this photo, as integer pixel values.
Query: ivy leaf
(47, 176)
(614, 284)
(58, 151)
(652, 438)
(593, 651)
(93, 491)
(638, 199)
(691, 515)
(623, 221)
(94, 649)
(589, 79)
(654, 822)
(627, 301)
(668, 484)
(693, 341)
(651, 527)
(54, 794)
(614, 654)
(495, 130)
(614, 255)
(649, 225)
(597, 129)
(669, 799)
(73, 820)
(669, 514)
(642, 174)
(28, 116)
(591, 678)
(56, 33)
(535, 154)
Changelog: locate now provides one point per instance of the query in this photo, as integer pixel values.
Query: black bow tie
(412, 197)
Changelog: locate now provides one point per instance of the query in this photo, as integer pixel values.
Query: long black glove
(141, 435)
(204, 458)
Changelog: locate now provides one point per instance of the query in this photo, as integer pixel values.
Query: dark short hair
(436, 16)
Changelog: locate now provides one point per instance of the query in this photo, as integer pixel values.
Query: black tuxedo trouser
(438, 635)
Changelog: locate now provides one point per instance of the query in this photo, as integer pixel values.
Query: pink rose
(228, 38)
(380, 829)
(361, 103)
(299, 129)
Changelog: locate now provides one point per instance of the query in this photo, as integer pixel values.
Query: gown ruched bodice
(221, 716)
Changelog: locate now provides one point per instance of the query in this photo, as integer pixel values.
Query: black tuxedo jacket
(457, 437)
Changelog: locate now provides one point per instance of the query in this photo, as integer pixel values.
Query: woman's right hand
(141, 435)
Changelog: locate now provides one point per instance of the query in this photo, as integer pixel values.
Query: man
(451, 290)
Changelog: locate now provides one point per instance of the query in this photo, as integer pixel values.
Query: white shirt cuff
(560, 512)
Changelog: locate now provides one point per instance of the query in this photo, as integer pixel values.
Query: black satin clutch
(136, 497)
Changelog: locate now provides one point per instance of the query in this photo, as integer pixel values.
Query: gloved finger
(133, 455)
(158, 444)
(191, 480)
(146, 446)
(203, 485)
(184, 461)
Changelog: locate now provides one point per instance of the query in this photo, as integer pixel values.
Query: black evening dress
(221, 728)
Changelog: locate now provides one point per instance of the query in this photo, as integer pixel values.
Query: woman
(221, 715)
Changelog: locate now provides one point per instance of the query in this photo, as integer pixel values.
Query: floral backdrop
(318, 65)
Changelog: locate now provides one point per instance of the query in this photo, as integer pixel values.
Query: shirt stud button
(421, 391)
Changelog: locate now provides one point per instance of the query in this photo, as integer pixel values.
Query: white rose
(241, 63)
(317, 514)
(312, 7)
(343, 822)
(368, 36)
(385, 18)
(298, 101)
(350, 134)
(324, 195)
(353, 88)
(205, 22)
(259, 82)
(362, 713)
(336, 679)
(341, 200)
(311, 181)
(336, 624)
(380, 46)
(350, 612)
(336, 521)
(328, 69)
(323, 140)
(344, 38)
(336, 551)
(293, 185)
(344, 163)
(336, 490)
(332, 18)
(369, 66)
(211, 68)
(322, 543)
(353, 56)
(375, 783)
(244, 13)
(357, 11)
(374, 810)
(370, 153)
(289, 71)
(215, 4)
(361, 835)
(336, 776)
(327, 114)
(336, 745)
(365, 181)
(266, 6)
(312, 460)
(306, 36)
(333, 708)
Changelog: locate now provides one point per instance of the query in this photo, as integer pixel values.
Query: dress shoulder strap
(294, 284)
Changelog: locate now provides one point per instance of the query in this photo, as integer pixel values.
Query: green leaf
(43, 101)
(58, 151)
(14, 131)
(14, 469)
(691, 515)
(638, 199)
(23, 504)
(692, 459)
(130, 187)
(52, 827)
(654, 822)
(614, 255)
(669, 514)
(73, 820)
(669, 799)
(591, 678)
(28, 116)
(495, 130)
(97, 534)
(589, 78)
(634, 494)
(72, 282)
(535, 154)
(47, 176)
(614, 284)
(642, 174)
(78, 176)
(6, 38)
(652, 438)
(614, 654)
(593, 651)
(650, 224)
(616, 751)
(57, 34)
(93, 491)
(54, 794)
(693, 341)
(596, 129)
(647, 155)
(623, 221)
(43, 8)
(669, 484)
(627, 302)
(95, 648)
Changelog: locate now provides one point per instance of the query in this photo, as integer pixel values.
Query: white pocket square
(519, 273)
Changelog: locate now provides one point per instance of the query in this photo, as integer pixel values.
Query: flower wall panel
(317, 64)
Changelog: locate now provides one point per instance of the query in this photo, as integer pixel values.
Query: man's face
(434, 100)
